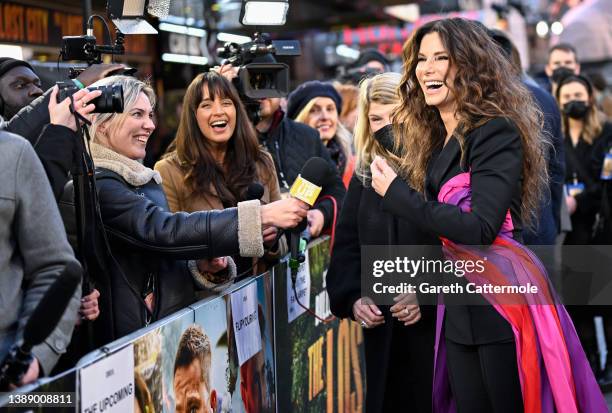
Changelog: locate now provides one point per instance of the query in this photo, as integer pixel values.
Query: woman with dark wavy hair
(472, 173)
(215, 157)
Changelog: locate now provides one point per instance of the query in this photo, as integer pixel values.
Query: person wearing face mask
(213, 160)
(155, 259)
(562, 62)
(472, 174)
(398, 338)
(318, 104)
(581, 128)
(585, 179)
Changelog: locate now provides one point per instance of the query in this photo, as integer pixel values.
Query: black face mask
(561, 73)
(384, 136)
(576, 109)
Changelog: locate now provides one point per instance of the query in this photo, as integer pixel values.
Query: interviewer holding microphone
(147, 275)
(398, 339)
(215, 159)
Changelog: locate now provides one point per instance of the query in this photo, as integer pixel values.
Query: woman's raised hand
(382, 175)
(60, 114)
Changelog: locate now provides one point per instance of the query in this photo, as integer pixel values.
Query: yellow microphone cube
(305, 191)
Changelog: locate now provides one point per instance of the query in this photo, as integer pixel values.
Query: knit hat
(8, 63)
(307, 91)
(369, 55)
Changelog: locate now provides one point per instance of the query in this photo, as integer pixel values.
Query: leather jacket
(148, 247)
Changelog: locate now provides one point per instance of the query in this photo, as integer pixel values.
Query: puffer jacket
(291, 144)
(149, 245)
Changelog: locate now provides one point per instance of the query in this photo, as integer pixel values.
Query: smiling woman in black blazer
(398, 339)
(472, 173)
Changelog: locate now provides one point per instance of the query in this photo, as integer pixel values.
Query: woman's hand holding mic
(284, 213)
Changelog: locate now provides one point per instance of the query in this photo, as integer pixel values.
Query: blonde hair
(132, 88)
(380, 89)
(342, 136)
(350, 97)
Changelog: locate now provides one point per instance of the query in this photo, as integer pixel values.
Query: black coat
(55, 145)
(493, 153)
(291, 144)
(362, 222)
(579, 161)
(148, 244)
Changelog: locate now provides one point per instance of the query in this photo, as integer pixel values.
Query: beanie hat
(307, 91)
(368, 55)
(8, 63)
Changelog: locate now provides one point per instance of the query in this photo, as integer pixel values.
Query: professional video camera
(259, 75)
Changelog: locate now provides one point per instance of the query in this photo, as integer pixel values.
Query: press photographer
(20, 92)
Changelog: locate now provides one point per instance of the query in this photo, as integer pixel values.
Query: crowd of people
(461, 148)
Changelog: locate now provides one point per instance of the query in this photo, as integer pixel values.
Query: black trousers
(409, 380)
(484, 378)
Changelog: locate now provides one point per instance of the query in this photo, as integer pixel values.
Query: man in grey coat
(33, 252)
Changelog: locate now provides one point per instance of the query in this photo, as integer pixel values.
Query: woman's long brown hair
(202, 172)
(485, 87)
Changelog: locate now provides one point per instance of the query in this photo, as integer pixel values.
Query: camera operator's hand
(98, 71)
(227, 71)
(59, 113)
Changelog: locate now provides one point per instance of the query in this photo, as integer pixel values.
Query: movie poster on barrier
(320, 367)
(246, 386)
(108, 384)
(154, 362)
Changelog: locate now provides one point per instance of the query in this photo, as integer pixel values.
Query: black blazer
(493, 154)
(363, 222)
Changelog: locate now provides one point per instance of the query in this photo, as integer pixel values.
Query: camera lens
(111, 99)
(262, 81)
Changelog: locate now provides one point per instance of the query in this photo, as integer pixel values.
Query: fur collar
(135, 173)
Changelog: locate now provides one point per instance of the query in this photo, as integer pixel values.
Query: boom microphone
(41, 323)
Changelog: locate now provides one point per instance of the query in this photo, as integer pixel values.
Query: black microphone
(41, 323)
(315, 173)
(255, 190)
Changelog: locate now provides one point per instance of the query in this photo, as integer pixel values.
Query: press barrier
(263, 352)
